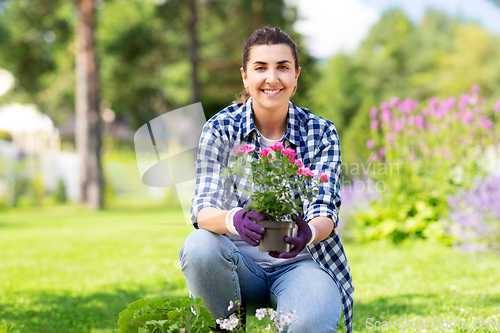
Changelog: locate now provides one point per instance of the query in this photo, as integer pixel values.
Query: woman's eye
(283, 67)
(259, 68)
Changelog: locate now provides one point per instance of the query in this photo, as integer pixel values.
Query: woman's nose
(272, 77)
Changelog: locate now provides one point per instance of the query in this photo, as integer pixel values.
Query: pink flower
(475, 89)
(468, 117)
(433, 101)
(497, 106)
(390, 138)
(386, 115)
(265, 152)
(394, 102)
(382, 151)
(486, 122)
(373, 112)
(370, 144)
(385, 107)
(305, 172)
(243, 149)
(323, 177)
(277, 146)
(374, 124)
(420, 122)
(298, 163)
(290, 153)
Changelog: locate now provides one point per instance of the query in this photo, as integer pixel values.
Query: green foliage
(166, 316)
(38, 189)
(5, 136)
(60, 193)
(403, 218)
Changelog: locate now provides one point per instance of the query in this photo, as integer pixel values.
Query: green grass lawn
(64, 269)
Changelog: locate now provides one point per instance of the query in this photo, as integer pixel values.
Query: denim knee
(200, 248)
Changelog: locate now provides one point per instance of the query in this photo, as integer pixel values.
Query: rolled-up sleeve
(210, 163)
(327, 159)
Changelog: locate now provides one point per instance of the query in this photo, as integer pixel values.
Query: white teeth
(269, 92)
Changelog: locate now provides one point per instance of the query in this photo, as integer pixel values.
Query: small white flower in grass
(260, 313)
(268, 328)
(231, 305)
(272, 314)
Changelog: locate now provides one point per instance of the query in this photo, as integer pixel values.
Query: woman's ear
(297, 74)
(243, 76)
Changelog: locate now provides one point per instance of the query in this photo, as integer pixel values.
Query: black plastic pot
(274, 236)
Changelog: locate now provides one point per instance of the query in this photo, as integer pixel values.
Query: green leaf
(125, 317)
(172, 315)
(139, 304)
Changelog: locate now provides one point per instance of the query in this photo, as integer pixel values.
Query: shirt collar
(295, 132)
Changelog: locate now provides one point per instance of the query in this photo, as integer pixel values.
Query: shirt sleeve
(210, 163)
(327, 159)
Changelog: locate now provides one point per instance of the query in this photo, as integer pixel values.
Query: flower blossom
(290, 153)
(497, 106)
(277, 146)
(323, 177)
(260, 313)
(265, 152)
(486, 122)
(228, 324)
(373, 112)
(305, 172)
(298, 163)
(243, 149)
(475, 89)
(370, 144)
(374, 124)
(231, 305)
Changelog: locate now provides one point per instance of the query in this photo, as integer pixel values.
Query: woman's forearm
(212, 219)
(324, 227)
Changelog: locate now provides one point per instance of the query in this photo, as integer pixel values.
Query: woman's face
(270, 76)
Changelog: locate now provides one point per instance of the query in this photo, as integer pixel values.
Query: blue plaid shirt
(317, 145)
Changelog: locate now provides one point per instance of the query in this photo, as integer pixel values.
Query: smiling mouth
(271, 91)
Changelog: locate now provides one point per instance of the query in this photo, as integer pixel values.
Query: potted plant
(276, 184)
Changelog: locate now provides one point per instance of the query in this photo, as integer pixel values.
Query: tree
(88, 133)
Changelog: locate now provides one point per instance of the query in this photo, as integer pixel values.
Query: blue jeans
(218, 272)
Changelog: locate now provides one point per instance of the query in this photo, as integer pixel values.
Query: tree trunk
(87, 126)
(193, 51)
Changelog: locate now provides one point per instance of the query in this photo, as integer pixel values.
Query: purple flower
(373, 112)
(486, 123)
(386, 115)
(370, 144)
(419, 121)
(497, 106)
(384, 107)
(382, 151)
(464, 99)
(468, 117)
(433, 101)
(390, 138)
(408, 105)
(474, 89)
(393, 102)
(374, 124)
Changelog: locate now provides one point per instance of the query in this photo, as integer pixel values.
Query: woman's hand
(248, 230)
(303, 238)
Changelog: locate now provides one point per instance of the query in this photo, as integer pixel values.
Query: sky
(331, 26)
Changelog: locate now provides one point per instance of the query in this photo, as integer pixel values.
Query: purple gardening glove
(304, 235)
(246, 228)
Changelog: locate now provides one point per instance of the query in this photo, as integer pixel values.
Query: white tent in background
(32, 131)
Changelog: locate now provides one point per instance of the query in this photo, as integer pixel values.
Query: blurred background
(409, 84)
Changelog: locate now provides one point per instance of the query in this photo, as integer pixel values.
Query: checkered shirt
(317, 145)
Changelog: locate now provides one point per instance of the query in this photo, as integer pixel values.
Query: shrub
(438, 148)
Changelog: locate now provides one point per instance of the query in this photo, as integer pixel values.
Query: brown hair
(266, 36)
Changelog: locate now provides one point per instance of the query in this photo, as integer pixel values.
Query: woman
(220, 260)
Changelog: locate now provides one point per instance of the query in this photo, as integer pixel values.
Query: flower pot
(274, 236)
